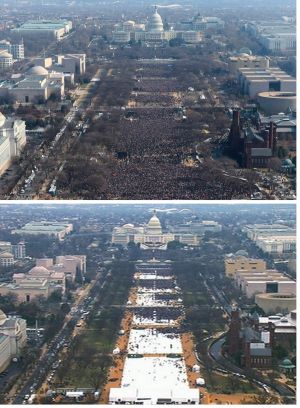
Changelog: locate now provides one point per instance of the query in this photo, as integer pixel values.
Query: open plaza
(151, 361)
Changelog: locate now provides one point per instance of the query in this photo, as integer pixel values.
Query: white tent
(200, 381)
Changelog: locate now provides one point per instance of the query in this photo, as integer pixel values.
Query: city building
(16, 50)
(9, 253)
(68, 64)
(12, 140)
(150, 236)
(199, 228)
(5, 246)
(273, 103)
(278, 36)
(254, 231)
(69, 265)
(236, 263)
(252, 338)
(36, 86)
(5, 356)
(15, 329)
(153, 32)
(275, 302)
(6, 259)
(286, 130)
(254, 346)
(19, 250)
(56, 29)
(39, 272)
(55, 228)
(6, 60)
(275, 239)
(245, 60)
(12, 338)
(253, 81)
(277, 245)
(252, 146)
(201, 23)
(255, 285)
(30, 287)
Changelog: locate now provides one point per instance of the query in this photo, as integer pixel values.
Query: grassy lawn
(195, 298)
(228, 384)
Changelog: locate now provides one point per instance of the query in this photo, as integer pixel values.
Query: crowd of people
(157, 147)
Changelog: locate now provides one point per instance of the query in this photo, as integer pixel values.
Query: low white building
(277, 36)
(253, 81)
(277, 244)
(55, 228)
(12, 338)
(247, 61)
(6, 259)
(55, 29)
(74, 64)
(12, 140)
(37, 85)
(6, 59)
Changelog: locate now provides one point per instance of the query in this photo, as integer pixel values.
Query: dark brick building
(253, 144)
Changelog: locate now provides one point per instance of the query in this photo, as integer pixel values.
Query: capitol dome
(154, 225)
(155, 22)
(38, 70)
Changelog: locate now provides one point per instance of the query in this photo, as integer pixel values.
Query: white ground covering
(152, 341)
(139, 320)
(148, 299)
(148, 276)
(155, 373)
(142, 289)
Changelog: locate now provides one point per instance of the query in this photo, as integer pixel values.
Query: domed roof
(286, 362)
(38, 70)
(154, 222)
(39, 270)
(288, 162)
(6, 255)
(5, 54)
(241, 252)
(2, 119)
(155, 22)
(245, 50)
(154, 225)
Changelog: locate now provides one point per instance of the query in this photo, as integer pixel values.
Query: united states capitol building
(150, 236)
(153, 31)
